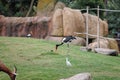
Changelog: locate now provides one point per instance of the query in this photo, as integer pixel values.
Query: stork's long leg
(68, 63)
(68, 45)
(68, 49)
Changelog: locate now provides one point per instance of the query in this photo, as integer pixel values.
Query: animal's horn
(15, 70)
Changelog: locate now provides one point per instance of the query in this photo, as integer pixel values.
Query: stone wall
(21, 26)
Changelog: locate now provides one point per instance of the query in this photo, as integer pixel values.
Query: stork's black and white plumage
(67, 39)
(29, 35)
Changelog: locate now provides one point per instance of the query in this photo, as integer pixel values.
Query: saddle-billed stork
(29, 35)
(66, 39)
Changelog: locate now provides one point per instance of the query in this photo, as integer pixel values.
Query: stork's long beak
(56, 48)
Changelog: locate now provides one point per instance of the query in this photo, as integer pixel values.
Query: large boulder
(104, 43)
(113, 44)
(81, 76)
(66, 21)
(92, 25)
(78, 41)
(57, 23)
(73, 21)
(105, 26)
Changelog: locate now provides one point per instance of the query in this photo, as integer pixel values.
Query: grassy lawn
(35, 61)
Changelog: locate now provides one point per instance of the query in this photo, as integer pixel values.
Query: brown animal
(11, 74)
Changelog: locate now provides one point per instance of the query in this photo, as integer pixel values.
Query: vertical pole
(98, 29)
(87, 27)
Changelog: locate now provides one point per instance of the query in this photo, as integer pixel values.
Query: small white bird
(68, 62)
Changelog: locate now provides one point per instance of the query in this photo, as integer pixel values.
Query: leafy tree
(16, 7)
(113, 17)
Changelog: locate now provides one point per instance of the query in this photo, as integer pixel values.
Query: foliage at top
(16, 7)
(113, 17)
(82, 4)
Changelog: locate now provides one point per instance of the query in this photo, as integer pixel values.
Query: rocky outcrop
(57, 23)
(67, 21)
(73, 21)
(79, 41)
(113, 44)
(21, 26)
(104, 43)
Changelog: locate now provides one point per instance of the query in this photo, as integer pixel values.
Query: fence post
(87, 27)
(98, 29)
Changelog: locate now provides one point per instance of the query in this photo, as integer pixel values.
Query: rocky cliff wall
(20, 27)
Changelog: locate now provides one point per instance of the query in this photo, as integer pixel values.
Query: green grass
(35, 60)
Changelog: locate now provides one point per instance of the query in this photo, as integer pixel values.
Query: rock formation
(57, 23)
(92, 25)
(21, 26)
(67, 21)
(73, 21)
(104, 43)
